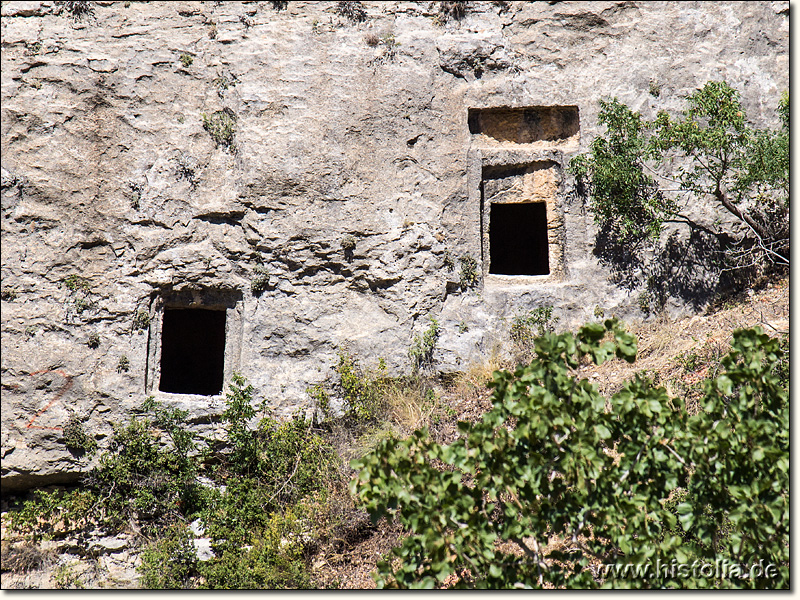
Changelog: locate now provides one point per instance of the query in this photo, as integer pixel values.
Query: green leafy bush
(468, 275)
(526, 327)
(253, 509)
(269, 469)
(54, 514)
(75, 437)
(550, 460)
(274, 560)
(143, 477)
(622, 194)
(421, 351)
(363, 391)
(711, 152)
(170, 562)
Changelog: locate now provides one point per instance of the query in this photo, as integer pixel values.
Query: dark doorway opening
(192, 351)
(518, 239)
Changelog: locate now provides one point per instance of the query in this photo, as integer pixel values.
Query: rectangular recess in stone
(192, 351)
(518, 243)
(525, 125)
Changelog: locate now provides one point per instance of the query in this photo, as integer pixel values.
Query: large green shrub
(275, 559)
(252, 509)
(550, 459)
(709, 151)
(144, 477)
(170, 561)
(267, 471)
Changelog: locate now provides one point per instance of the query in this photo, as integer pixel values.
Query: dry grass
(474, 380)
(24, 558)
(685, 351)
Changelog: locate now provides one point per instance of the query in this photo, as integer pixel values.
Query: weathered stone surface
(109, 174)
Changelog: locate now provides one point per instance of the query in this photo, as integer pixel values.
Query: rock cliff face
(314, 177)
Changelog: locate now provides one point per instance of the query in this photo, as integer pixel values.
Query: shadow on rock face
(691, 268)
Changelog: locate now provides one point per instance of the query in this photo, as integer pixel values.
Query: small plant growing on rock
(421, 351)
(75, 438)
(390, 44)
(34, 48)
(447, 262)
(260, 280)
(31, 330)
(352, 10)
(221, 126)
(82, 304)
(8, 294)
(136, 190)
(94, 341)
(186, 168)
(77, 10)
(80, 291)
(348, 245)
(141, 320)
(451, 10)
(389, 54)
(186, 60)
(362, 390)
(65, 577)
(223, 82)
(526, 327)
(654, 89)
(75, 283)
(278, 4)
(372, 40)
(468, 276)
(124, 365)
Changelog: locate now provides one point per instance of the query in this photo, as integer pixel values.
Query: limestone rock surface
(167, 155)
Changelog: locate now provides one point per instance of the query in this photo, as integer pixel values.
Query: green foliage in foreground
(638, 482)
